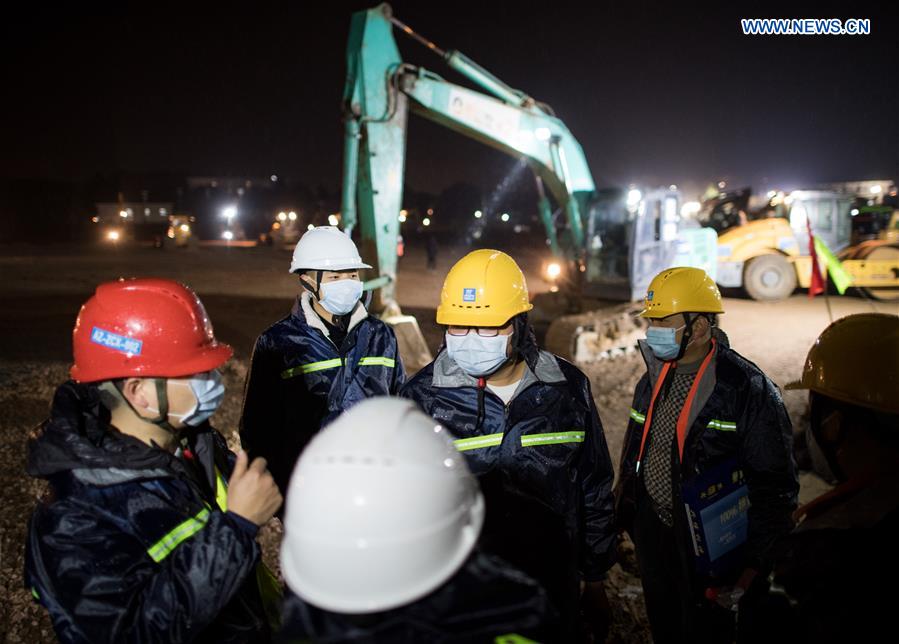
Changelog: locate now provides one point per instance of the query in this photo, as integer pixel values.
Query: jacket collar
(302, 309)
(709, 379)
(447, 374)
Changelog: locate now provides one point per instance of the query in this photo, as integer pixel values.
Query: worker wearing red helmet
(148, 533)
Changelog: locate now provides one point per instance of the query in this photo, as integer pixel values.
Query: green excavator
(606, 245)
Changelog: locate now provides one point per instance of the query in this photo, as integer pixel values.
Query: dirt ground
(245, 290)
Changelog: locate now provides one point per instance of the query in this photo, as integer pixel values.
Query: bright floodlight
(875, 190)
(292, 215)
(402, 217)
(478, 214)
(505, 216)
(690, 208)
(633, 197)
(228, 235)
(332, 220)
(113, 235)
(542, 133)
(185, 228)
(426, 222)
(229, 212)
(282, 216)
(853, 212)
(123, 213)
(310, 227)
(553, 270)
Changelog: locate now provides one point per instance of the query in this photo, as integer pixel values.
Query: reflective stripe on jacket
(734, 412)
(299, 381)
(131, 545)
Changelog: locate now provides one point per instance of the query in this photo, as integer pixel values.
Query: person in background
(325, 356)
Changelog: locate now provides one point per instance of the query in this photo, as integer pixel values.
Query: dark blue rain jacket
(132, 543)
(299, 381)
(485, 601)
(543, 465)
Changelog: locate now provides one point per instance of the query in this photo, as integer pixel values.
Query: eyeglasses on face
(484, 332)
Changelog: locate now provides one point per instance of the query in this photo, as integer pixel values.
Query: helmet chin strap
(687, 336)
(161, 420)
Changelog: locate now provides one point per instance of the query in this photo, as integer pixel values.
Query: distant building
(134, 212)
(232, 185)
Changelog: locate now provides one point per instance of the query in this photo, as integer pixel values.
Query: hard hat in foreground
(484, 288)
(681, 290)
(856, 360)
(381, 510)
(326, 248)
(144, 328)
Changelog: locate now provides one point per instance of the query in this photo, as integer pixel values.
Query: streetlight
(332, 220)
(293, 216)
(228, 235)
(282, 216)
(478, 214)
(505, 216)
(425, 222)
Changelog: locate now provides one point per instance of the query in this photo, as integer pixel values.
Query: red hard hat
(144, 328)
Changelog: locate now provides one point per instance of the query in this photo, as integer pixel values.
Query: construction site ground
(245, 290)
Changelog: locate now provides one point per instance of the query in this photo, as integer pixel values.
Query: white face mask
(475, 355)
(340, 297)
(208, 389)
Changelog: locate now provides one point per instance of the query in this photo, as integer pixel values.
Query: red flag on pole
(816, 285)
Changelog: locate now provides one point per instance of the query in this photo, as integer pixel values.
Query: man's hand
(595, 609)
(252, 492)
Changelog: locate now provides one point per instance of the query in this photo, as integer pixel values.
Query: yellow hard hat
(484, 288)
(681, 290)
(856, 360)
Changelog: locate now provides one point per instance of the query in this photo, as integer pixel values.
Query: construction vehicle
(607, 245)
(180, 230)
(770, 257)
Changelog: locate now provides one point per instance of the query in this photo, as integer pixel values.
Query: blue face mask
(475, 355)
(663, 341)
(208, 389)
(340, 297)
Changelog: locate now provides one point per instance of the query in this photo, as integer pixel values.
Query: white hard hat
(325, 248)
(381, 510)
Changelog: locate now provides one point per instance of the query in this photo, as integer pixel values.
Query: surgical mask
(477, 356)
(663, 341)
(340, 297)
(208, 389)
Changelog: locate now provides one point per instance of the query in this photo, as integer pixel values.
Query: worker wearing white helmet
(319, 360)
(379, 539)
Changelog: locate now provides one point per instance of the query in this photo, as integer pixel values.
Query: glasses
(484, 332)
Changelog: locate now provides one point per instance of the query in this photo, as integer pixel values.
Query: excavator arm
(381, 89)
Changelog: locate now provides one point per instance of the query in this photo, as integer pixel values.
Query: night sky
(661, 94)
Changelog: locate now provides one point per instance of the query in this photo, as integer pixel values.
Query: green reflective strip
(34, 593)
(512, 638)
(312, 367)
(221, 491)
(636, 415)
(552, 438)
(185, 530)
(465, 444)
(722, 425)
(375, 361)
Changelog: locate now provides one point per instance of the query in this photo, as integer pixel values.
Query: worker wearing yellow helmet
(527, 424)
(835, 572)
(707, 480)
